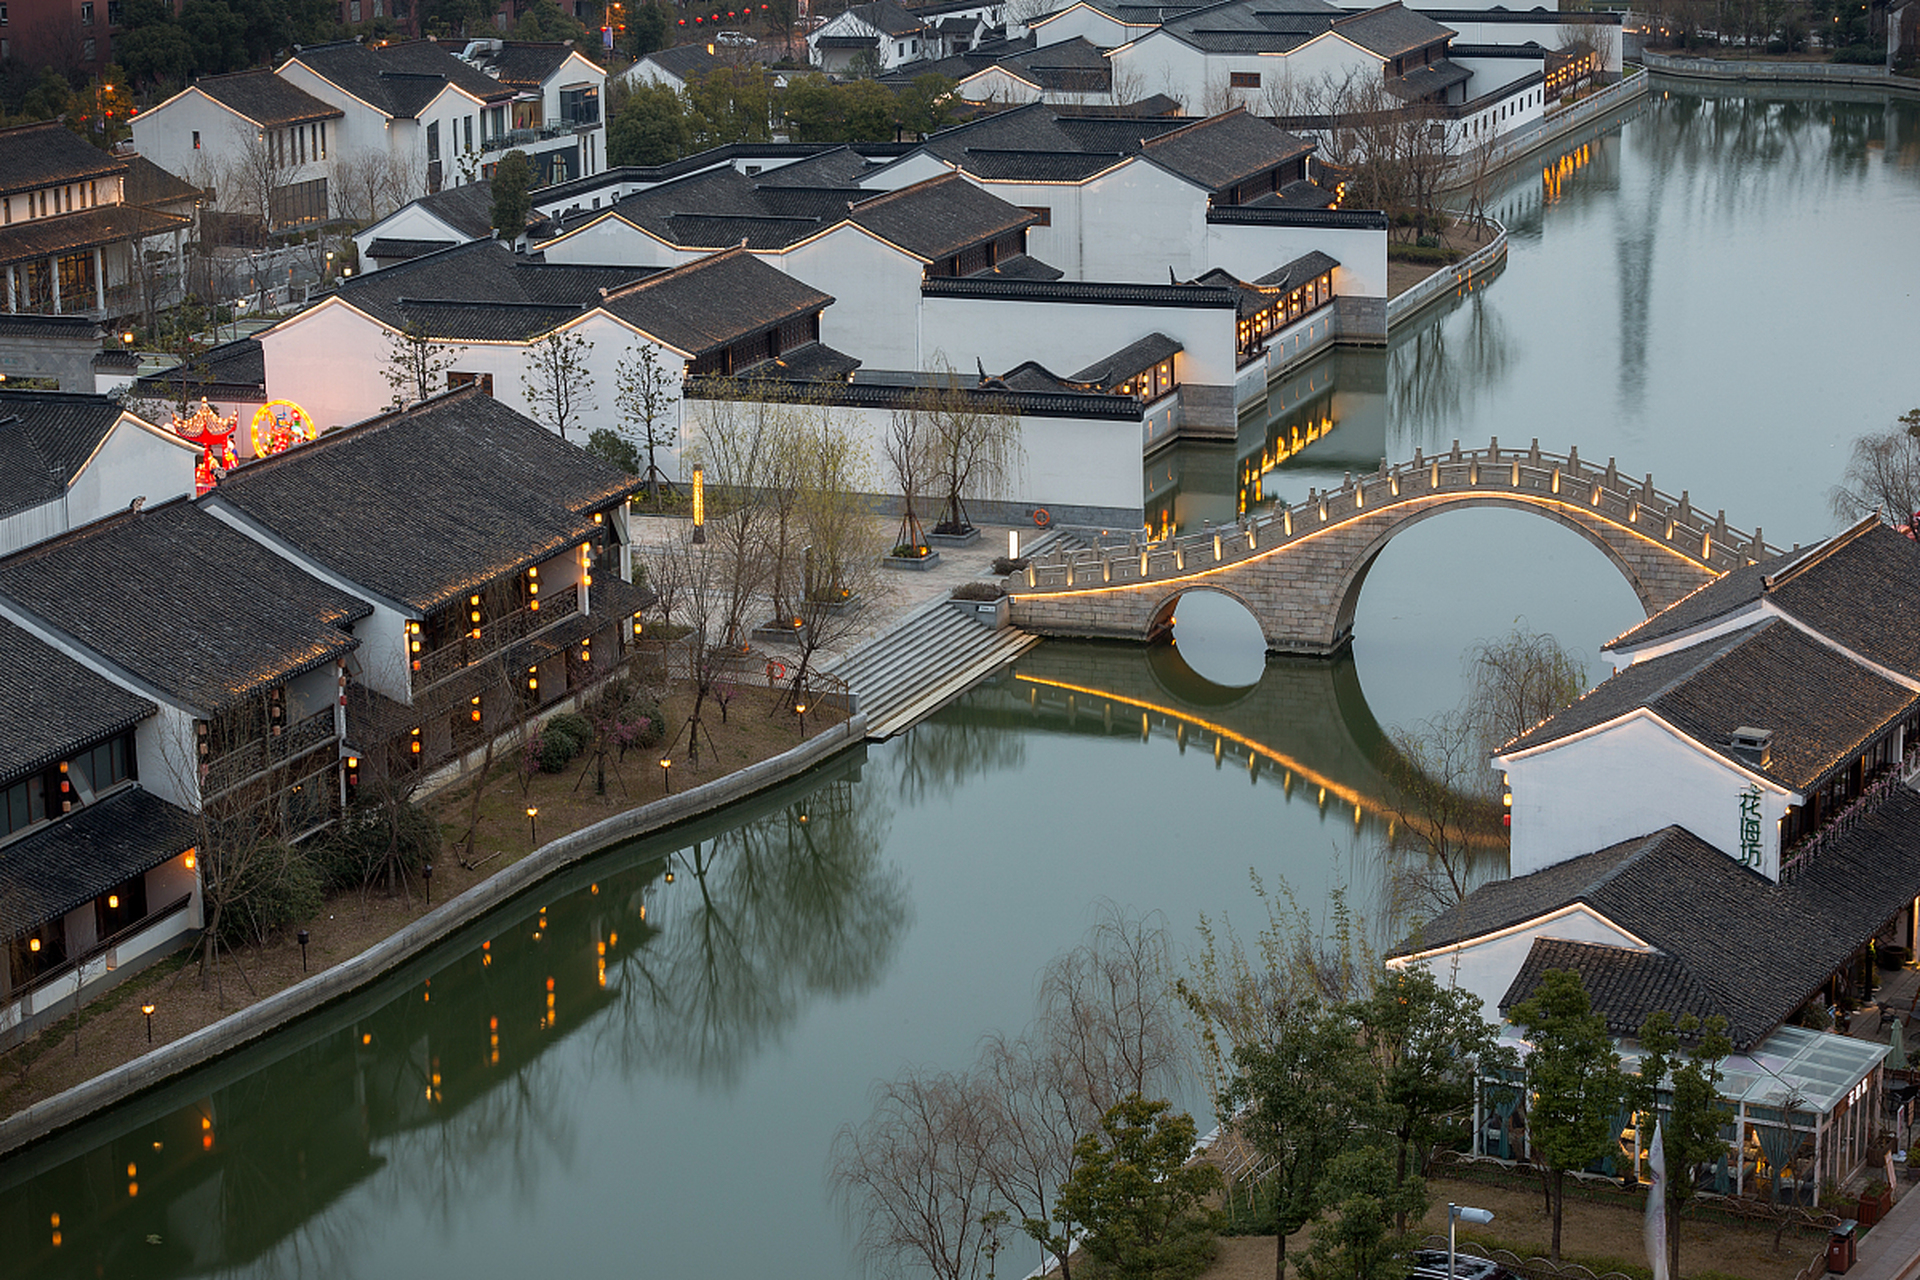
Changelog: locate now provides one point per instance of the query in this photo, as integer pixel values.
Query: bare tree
(973, 444)
(908, 457)
(840, 561)
(644, 395)
(910, 1178)
(368, 184)
(558, 381)
(254, 175)
(417, 364)
(1883, 475)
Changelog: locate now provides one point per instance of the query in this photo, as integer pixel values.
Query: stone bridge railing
(1494, 475)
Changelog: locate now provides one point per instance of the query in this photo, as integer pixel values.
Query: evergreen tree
(1575, 1075)
(512, 195)
(1136, 1195)
(1691, 1131)
(655, 125)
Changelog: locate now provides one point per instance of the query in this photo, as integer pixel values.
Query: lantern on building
(278, 425)
(214, 434)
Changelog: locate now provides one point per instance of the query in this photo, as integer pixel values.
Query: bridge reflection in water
(1304, 727)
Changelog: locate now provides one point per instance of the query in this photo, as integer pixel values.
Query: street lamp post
(666, 777)
(533, 826)
(147, 1009)
(303, 936)
(426, 874)
(1456, 1213)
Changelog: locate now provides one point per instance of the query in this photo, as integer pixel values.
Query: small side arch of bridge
(1299, 569)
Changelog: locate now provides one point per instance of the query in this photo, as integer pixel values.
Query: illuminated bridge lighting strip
(1478, 497)
(1333, 788)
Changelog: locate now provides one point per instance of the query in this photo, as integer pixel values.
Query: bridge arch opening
(1440, 587)
(1220, 649)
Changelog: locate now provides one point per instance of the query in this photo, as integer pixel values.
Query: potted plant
(1874, 1202)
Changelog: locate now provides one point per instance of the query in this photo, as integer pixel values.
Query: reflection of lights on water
(1555, 175)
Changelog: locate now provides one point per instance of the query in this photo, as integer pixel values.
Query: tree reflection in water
(758, 921)
(438, 1087)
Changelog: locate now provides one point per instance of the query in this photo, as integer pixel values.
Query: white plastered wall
(1627, 779)
(1487, 966)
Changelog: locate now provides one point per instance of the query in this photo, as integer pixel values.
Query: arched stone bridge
(1299, 569)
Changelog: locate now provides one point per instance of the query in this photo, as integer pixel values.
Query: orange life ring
(776, 670)
(1041, 518)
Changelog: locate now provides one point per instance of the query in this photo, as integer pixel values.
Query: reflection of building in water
(1330, 414)
(1554, 177)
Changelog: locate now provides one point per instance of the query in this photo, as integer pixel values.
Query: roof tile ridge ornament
(1819, 553)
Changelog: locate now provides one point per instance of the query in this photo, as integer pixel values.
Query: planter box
(989, 613)
(966, 539)
(777, 632)
(926, 561)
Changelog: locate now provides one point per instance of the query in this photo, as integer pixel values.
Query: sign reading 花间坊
(1751, 853)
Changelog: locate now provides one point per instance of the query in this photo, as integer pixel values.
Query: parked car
(1431, 1264)
(735, 39)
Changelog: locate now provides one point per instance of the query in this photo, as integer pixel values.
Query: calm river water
(1722, 293)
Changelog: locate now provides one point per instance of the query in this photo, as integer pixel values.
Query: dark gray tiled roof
(230, 369)
(840, 169)
(69, 862)
(482, 290)
(1104, 292)
(1724, 594)
(266, 99)
(1299, 271)
(1133, 358)
(1245, 26)
(467, 209)
(1024, 267)
(1861, 589)
(1391, 30)
(1424, 82)
(1039, 142)
(887, 17)
(396, 249)
(398, 79)
(1624, 984)
(939, 217)
(186, 603)
(147, 183)
(45, 438)
(719, 208)
(709, 304)
(53, 706)
(525, 64)
(1754, 949)
(39, 155)
(1224, 149)
(846, 42)
(1821, 705)
(810, 363)
(1076, 65)
(21, 324)
(429, 503)
(88, 229)
(685, 62)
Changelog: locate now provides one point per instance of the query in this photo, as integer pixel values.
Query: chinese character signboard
(1750, 852)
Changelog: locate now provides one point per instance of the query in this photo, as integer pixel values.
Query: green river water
(1721, 293)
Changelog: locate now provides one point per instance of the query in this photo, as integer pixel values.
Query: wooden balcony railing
(431, 668)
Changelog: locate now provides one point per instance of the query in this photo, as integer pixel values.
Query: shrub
(1438, 256)
(1004, 565)
(375, 839)
(573, 725)
(1428, 242)
(611, 446)
(1862, 55)
(979, 589)
(554, 750)
(271, 887)
(907, 551)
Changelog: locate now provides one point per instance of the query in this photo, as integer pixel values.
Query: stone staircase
(926, 659)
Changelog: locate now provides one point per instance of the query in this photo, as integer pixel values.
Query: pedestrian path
(1891, 1251)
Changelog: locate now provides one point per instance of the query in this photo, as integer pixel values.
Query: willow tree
(973, 446)
(842, 545)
